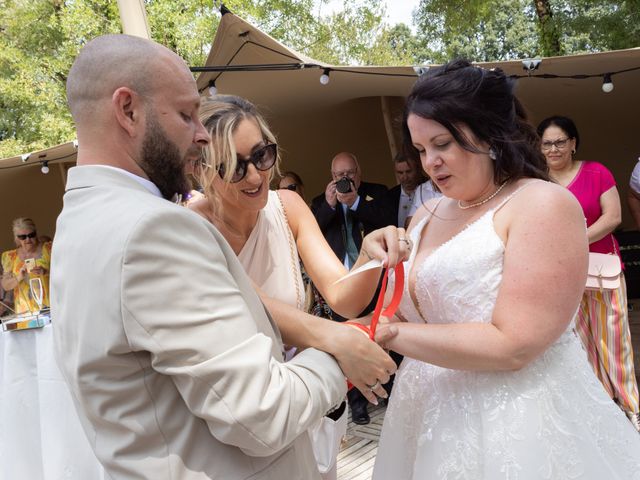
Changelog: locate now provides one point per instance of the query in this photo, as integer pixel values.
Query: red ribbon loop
(391, 308)
(395, 299)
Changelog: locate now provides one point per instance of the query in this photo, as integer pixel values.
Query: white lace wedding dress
(549, 420)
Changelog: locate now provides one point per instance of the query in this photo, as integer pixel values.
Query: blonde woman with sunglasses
(24, 264)
(269, 229)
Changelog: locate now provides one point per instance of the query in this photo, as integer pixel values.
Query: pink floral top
(594, 179)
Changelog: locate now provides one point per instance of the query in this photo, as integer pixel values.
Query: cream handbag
(604, 272)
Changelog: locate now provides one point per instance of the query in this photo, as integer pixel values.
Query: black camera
(344, 185)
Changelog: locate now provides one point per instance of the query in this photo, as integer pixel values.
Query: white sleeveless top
(270, 255)
(550, 420)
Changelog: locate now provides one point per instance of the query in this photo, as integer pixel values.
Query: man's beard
(162, 162)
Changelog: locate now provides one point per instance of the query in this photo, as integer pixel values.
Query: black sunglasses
(27, 235)
(263, 159)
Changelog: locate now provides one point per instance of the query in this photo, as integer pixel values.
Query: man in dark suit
(346, 212)
(342, 211)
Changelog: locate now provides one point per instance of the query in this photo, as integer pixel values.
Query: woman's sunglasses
(263, 159)
(27, 235)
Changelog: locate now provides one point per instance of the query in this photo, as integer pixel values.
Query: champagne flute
(37, 291)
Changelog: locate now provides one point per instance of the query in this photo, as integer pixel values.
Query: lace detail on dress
(549, 420)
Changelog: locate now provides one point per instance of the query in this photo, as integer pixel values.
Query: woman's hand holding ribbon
(389, 244)
(362, 361)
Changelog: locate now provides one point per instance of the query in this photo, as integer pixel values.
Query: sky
(398, 11)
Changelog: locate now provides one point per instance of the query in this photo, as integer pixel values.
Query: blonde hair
(221, 115)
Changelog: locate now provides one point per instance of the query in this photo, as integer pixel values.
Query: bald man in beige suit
(175, 368)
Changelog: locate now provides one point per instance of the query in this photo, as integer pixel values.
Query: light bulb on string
(212, 88)
(324, 78)
(45, 167)
(607, 84)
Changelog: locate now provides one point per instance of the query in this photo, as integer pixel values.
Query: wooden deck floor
(358, 452)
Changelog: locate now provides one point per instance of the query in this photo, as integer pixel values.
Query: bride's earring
(492, 154)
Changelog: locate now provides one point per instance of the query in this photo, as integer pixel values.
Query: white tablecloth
(40, 433)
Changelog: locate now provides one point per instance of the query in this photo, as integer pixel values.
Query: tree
(549, 34)
(486, 30)
(38, 43)
(40, 39)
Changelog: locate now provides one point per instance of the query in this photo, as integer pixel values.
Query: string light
(45, 167)
(324, 78)
(212, 88)
(529, 66)
(607, 84)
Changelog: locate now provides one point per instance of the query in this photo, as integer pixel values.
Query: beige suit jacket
(175, 367)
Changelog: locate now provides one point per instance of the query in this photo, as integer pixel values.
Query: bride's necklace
(482, 202)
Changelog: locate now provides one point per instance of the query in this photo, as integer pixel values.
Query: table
(41, 437)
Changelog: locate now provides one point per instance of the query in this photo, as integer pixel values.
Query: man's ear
(128, 110)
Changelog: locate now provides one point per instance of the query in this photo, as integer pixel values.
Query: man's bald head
(108, 63)
(345, 164)
(345, 158)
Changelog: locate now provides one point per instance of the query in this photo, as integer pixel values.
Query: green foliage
(186, 26)
(40, 39)
(486, 30)
(598, 25)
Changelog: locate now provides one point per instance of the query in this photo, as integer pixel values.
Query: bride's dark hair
(459, 93)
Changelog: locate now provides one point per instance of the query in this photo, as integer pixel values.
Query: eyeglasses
(263, 159)
(345, 173)
(559, 144)
(27, 235)
(293, 187)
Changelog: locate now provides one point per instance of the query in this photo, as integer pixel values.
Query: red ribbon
(391, 308)
(395, 300)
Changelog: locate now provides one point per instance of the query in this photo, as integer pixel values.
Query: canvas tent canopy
(357, 111)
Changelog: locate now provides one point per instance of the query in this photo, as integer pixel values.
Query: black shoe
(359, 415)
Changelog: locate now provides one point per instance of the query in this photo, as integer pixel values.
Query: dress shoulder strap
(514, 193)
(435, 207)
(416, 231)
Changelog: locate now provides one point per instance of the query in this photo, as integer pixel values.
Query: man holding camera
(346, 212)
(340, 213)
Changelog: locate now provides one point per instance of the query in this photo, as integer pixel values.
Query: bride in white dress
(495, 384)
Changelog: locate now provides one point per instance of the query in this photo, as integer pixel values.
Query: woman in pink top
(602, 322)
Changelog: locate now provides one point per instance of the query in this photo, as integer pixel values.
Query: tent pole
(386, 115)
(63, 174)
(134, 18)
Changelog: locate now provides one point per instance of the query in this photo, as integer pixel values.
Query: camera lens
(343, 185)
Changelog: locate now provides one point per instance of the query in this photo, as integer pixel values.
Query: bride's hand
(393, 319)
(389, 244)
(385, 333)
(362, 361)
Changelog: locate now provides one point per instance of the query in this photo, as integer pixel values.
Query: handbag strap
(613, 242)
